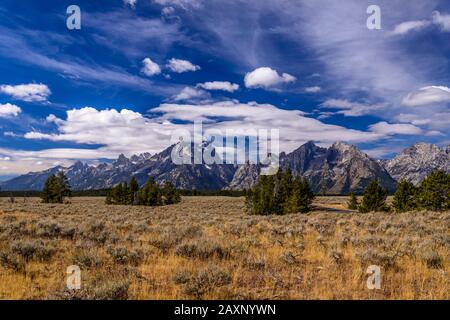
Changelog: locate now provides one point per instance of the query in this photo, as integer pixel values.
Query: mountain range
(339, 169)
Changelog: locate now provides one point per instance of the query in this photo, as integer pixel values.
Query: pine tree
(374, 198)
(434, 192)
(279, 194)
(63, 187)
(134, 189)
(170, 194)
(404, 198)
(352, 203)
(117, 194)
(56, 188)
(305, 195)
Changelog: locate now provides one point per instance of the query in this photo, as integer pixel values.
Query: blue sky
(138, 70)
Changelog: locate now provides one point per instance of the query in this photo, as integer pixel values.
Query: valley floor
(208, 248)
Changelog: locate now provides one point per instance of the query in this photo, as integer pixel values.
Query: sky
(139, 70)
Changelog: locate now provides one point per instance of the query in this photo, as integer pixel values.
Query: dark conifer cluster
(151, 194)
(433, 194)
(279, 194)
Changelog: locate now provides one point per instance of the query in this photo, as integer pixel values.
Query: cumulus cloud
(266, 77)
(427, 95)
(219, 85)
(314, 89)
(191, 94)
(9, 110)
(130, 132)
(385, 128)
(351, 109)
(27, 92)
(150, 68)
(181, 66)
(408, 26)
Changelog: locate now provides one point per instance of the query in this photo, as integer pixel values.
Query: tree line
(279, 194)
(433, 194)
(151, 194)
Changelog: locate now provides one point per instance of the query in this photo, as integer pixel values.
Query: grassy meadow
(209, 248)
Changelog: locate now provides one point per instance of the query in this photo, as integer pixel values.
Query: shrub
(111, 290)
(202, 282)
(203, 250)
(33, 250)
(374, 198)
(87, 259)
(125, 256)
(12, 261)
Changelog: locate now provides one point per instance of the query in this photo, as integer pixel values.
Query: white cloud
(385, 128)
(9, 110)
(314, 89)
(27, 92)
(190, 94)
(131, 3)
(266, 77)
(351, 109)
(442, 20)
(181, 66)
(219, 85)
(408, 26)
(150, 68)
(427, 95)
(130, 132)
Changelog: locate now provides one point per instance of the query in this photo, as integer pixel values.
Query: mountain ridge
(339, 169)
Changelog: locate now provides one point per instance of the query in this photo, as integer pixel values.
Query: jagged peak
(343, 146)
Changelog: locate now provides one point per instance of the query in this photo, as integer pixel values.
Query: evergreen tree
(170, 194)
(305, 196)
(374, 198)
(404, 198)
(352, 203)
(134, 189)
(150, 194)
(117, 194)
(434, 192)
(56, 188)
(50, 192)
(63, 187)
(279, 194)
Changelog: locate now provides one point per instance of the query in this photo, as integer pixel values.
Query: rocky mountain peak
(418, 161)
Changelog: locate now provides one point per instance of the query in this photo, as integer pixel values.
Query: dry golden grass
(208, 248)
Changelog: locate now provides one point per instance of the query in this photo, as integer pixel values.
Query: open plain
(209, 248)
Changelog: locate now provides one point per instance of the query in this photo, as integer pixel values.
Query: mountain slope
(418, 161)
(340, 169)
